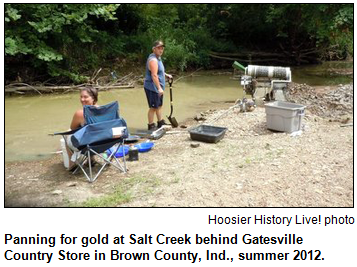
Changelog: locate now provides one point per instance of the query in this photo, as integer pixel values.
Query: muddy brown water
(29, 119)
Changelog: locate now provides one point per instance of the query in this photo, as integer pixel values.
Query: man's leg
(159, 113)
(151, 114)
(151, 98)
(160, 121)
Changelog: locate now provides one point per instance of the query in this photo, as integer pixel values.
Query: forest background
(66, 43)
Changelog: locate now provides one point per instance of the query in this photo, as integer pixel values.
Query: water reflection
(323, 74)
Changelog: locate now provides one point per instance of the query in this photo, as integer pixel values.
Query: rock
(71, 184)
(318, 191)
(194, 145)
(199, 117)
(56, 192)
(239, 186)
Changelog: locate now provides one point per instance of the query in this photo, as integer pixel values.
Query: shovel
(172, 120)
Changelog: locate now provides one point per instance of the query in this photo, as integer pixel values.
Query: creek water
(29, 119)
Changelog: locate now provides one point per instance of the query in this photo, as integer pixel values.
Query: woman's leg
(71, 164)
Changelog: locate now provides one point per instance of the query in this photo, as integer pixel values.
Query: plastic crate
(207, 133)
(284, 116)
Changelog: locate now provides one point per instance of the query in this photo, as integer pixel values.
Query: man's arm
(168, 76)
(154, 67)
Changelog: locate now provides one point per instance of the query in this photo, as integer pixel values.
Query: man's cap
(158, 44)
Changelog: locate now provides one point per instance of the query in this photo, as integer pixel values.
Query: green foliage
(46, 33)
(176, 54)
(15, 45)
(342, 29)
(182, 29)
(73, 40)
(327, 26)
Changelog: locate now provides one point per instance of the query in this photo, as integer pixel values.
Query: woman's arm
(78, 119)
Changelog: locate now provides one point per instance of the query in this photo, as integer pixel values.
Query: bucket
(133, 153)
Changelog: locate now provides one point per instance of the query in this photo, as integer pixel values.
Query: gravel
(330, 104)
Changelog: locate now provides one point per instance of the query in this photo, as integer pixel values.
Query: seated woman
(88, 96)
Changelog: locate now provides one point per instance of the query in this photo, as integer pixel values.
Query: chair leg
(107, 161)
(75, 170)
(123, 169)
(90, 166)
(100, 171)
(79, 162)
(124, 159)
(85, 173)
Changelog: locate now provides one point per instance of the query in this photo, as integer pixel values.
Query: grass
(119, 196)
(123, 192)
(269, 155)
(176, 180)
(280, 152)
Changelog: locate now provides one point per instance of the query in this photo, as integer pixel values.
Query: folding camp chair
(104, 129)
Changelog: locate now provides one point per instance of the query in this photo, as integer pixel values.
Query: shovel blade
(173, 121)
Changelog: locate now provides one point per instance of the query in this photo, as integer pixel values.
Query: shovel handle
(171, 81)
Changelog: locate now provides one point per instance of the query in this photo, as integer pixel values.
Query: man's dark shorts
(154, 100)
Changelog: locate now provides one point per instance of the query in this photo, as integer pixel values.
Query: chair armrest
(66, 132)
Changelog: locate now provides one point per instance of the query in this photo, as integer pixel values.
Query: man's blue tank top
(148, 82)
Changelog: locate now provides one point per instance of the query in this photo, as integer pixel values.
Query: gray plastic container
(207, 133)
(284, 116)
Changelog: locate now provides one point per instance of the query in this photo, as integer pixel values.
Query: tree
(44, 34)
(304, 29)
(71, 41)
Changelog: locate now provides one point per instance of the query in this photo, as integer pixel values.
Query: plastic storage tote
(284, 116)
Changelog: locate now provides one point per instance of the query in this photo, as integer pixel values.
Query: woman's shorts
(154, 99)
(76, 154)
(69, 143)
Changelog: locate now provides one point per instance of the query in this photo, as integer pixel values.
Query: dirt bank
(250, 167)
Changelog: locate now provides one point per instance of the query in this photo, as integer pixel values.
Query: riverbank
(250, 167)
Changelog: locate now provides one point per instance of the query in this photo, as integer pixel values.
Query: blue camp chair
(104, 129)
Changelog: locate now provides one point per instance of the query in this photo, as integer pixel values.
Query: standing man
(154, 85)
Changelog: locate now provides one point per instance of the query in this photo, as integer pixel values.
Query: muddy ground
(250, 167)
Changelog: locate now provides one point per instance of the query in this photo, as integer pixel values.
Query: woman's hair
(93, 92)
